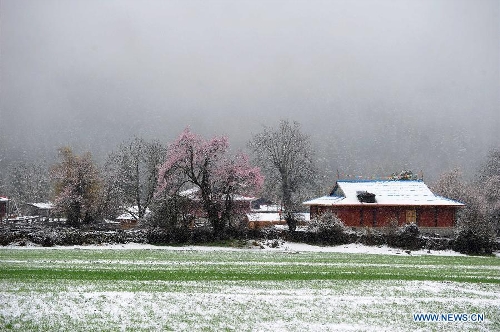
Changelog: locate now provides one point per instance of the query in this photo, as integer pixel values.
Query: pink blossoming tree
(217, 177)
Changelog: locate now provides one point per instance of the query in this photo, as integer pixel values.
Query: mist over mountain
(379, 86)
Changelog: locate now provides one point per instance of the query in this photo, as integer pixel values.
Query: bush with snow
(371, 237)
(406, 237)
(475, 234)
(479, 221)
(329, 229)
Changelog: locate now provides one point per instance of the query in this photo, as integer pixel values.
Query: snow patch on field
(242, 304)
(357, 248)
(354, 248)
(249, 306)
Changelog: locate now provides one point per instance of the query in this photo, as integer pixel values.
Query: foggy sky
(379, 85)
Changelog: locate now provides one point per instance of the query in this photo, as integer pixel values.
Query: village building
(240, 202)
(257, 219)
(41, 210)
(264, 214)
(257, 212)
(378, 203)
(4, 207)
(130, 216)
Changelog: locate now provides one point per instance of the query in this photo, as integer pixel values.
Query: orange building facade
(378, 203)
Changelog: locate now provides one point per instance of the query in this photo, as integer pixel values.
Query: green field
(241, 290)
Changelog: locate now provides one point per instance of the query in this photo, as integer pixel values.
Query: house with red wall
(376, 203)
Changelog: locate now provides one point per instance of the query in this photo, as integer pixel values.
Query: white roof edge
(387, 192)
(340, 203)
(323, 200)
(451, 201)
(42, 205)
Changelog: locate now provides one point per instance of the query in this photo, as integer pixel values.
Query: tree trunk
(216, 222)
(288, 206)
(212, 213)
(73, 214)
(291, 221)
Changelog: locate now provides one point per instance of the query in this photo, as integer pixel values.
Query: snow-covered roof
(131, 213)
(393, 192)
(42, 206)
(267, 208)
(274, 217)
(256, 216)
(192, 193)
(237, 197)
(189, 193)
(126, 216)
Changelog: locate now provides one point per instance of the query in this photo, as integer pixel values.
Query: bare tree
(489, 182)
(474, 231)
(286, 158)
(452, 185)
(132, 175)
(491, 166)
(28, 182)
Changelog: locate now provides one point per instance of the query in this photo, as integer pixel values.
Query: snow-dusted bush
(476, 222)
(40, 234)
(160, 235)
(475, 234)
(392, 229)
(371, 237)
(329, 229)
(407, 237)
(437, 242)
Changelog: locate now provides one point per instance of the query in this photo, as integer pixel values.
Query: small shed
(263, 219)
(43, 210)
(4, 204)
(239, 202)
(257, 220)
(130, 216)
(375, 203)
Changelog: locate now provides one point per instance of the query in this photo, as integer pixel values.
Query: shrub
(468, 241)
(329, 229)
(475, 234)
(159, 235)
(437, 243)
(372, 237)
(474, 237)
(406, 236)
(409, 237)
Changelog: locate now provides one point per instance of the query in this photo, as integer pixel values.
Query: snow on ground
(243, 305)
(251, 306)
(355, 248)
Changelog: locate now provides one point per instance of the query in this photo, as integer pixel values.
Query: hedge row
(407, 237)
